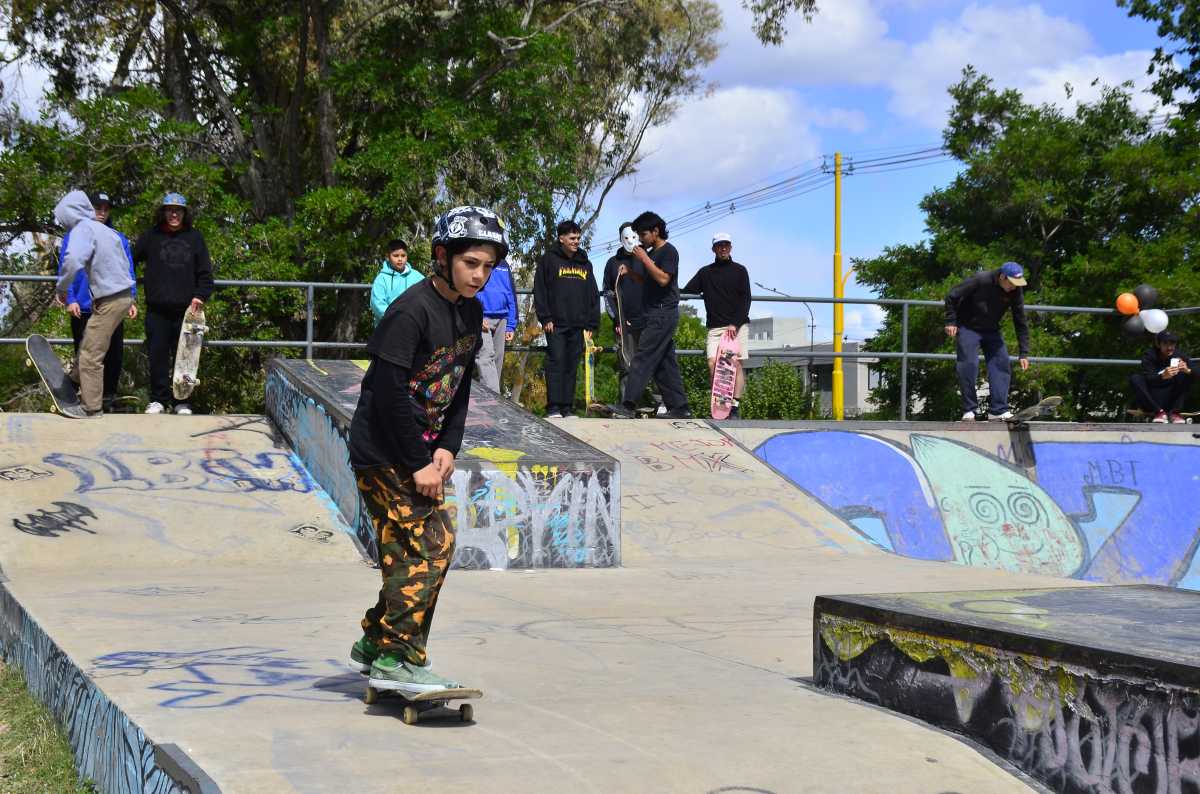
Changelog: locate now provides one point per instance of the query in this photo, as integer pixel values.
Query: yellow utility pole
(838, 290)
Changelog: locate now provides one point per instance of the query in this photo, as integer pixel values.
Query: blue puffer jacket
(498, 296)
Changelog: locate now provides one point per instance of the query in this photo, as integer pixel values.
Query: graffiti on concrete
(214, 470)
(23, 473)
(50, 523)
(309, 532)
(224, 677)
(510, 511)
(1072, 728)
(109, 748)
(1089, 510)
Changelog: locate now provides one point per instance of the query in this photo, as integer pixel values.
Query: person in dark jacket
(567, 303)
(974, 309)
(79, 306)
(500, 315)
(177, 275)
(656, 268)
(725, 286)
(631, 298)
(1165, 381)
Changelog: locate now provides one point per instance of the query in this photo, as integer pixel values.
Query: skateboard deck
(625, 347)
(416, 705)
(63, 391)
(1046, 407)
(187, 354)
(589, 369)
(724, 377)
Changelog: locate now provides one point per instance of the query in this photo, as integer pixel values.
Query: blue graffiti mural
(224, 677)
(216, 470)
(1117, 512)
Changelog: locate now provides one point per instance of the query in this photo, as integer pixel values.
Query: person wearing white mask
(631, 297)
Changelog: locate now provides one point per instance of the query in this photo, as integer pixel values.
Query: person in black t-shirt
(567, 303)
(656, 268)
(725, 286)
(1166, 379)
(405, 434)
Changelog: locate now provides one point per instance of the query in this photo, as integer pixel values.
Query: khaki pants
(107, 313)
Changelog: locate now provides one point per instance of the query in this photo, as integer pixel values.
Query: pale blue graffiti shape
(1156, 542)
(225, 677)
(215, 470)
(875, 486)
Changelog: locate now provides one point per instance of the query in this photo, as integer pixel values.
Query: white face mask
(629, 239)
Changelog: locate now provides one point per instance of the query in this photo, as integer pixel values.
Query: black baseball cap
(100, 198)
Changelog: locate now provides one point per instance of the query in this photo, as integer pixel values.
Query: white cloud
(726, 139)
(845, 43)
(862, 322)
(1046, 84)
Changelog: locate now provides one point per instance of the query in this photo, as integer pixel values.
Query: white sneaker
(969, 416)
(554, 415)
(1004, 417)
(183, 409)
(154, 408)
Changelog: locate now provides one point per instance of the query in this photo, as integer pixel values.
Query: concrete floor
(201, 592)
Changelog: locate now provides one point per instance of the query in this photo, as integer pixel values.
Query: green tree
(1092, 202)
(776, 390)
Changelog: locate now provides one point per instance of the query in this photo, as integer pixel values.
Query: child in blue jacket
(499, 299)
(394, 278)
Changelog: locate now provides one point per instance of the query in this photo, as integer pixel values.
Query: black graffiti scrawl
(49, 523)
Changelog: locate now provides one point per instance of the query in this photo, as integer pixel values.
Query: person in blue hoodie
(98, 251)
(499, 299)
(394, 278)
(79, 306)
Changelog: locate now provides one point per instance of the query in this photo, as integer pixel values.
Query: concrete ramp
(1103, 503)
(526, 494)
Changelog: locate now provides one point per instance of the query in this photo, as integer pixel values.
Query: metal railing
(309, 344)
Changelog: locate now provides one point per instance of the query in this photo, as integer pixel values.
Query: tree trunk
(326, 125)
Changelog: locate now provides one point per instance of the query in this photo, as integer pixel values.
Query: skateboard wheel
(29, 362)
(371, 696)
(410, 715)
(466, 712)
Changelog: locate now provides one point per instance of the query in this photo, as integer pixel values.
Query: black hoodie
(177, 266)
(564, 290)
(726, 290)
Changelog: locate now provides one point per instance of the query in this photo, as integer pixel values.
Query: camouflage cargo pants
(415, 535)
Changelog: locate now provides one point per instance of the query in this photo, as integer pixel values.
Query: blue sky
(866, 75)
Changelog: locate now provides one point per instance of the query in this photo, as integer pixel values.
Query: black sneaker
(619, 411)
(678, 413)
(733, 413)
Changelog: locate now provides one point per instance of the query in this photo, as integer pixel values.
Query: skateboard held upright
(625, 346)
(54, 377)
(589, 372)
(724, 377)
(187, 354)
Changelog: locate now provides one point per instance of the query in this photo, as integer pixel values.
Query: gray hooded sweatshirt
(93, 247)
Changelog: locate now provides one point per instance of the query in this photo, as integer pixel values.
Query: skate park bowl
(526, 494)
(183, 591)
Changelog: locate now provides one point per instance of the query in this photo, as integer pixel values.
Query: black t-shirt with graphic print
(415, 393)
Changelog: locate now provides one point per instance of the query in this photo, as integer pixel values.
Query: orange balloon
(1127, 303)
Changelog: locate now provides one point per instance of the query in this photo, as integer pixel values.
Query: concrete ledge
(1086, 690)
(109, 748)
(527, 494)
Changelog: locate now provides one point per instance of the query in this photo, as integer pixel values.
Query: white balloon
(1155, 320)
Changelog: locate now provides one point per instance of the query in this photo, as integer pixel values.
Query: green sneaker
(363, 654)
(391, 671)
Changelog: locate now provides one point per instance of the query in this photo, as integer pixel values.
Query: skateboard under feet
(417, 704)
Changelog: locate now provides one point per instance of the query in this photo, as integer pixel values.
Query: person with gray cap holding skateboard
(177, 275)
(974, 310)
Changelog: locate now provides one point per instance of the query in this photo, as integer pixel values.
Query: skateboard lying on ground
(63, 390)
(187, 354)
(1046, 407)
(724, 377)
(415, 705)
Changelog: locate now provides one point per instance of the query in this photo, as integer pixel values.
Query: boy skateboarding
(405, 434)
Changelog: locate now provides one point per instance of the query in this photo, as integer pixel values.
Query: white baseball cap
(722, 237)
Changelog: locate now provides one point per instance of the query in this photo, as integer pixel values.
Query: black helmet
(474, 225)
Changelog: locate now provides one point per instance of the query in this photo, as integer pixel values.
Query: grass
(34, 755)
